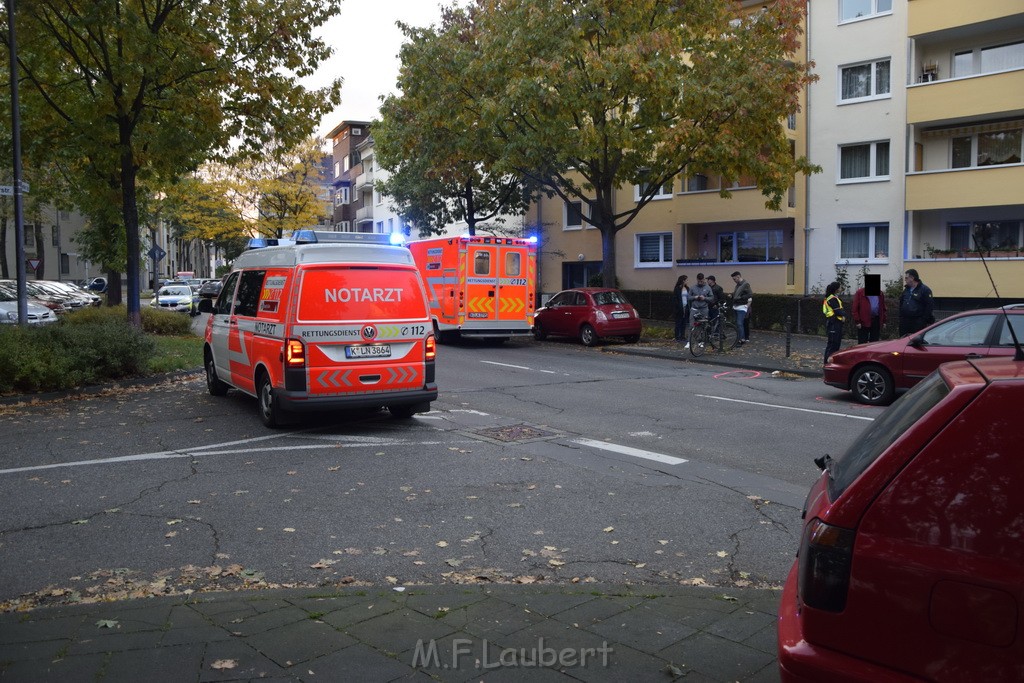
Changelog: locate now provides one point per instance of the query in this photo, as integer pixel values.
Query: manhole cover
(514, 433)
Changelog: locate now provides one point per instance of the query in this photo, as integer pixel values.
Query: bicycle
(719, 334)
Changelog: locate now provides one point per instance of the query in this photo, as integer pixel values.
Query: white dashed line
(635, 452)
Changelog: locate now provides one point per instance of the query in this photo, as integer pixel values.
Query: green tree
(145, 90)
(586, 97)
(439, 177)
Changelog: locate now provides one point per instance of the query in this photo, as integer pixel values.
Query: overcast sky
(366, 43)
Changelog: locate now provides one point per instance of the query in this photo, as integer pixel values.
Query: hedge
(770, 312)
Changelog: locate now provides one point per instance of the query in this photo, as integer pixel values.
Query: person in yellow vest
(832, 307)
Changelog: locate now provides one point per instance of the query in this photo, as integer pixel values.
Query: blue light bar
(397, 238)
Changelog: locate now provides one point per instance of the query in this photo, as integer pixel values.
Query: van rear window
(881, 433)
(360, 294)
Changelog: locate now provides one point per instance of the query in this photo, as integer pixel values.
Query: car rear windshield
(608, 298)
(874, 440)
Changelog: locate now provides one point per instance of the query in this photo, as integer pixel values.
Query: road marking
(518, 367)
(626, 450)
(738, 374)
(208, 450)
(773, 405)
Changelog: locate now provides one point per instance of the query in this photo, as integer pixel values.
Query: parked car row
(57, 297)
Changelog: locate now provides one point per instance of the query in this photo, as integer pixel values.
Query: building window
(987, 149)
(65, 264)
(864, 81)
(662, 192)
(750, 246)
(985, 235)
(391, 225)
(54, 236)
(791, 121)
(869, 160)
(653, 250)
(345, 164)
(344, 226)
(864, 241)
(573, 215)
(337, 169)
(988, 59)
(380, 226)
(850, 10)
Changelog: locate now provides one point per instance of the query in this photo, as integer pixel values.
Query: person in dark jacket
(835, 316)
(916, 305)
(869, 309)
(719, 293)
(681, 297)
(742, 300)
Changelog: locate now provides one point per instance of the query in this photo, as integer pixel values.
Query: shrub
(85, 350)
(153, 321)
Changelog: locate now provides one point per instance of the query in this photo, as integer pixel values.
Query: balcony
(965, 188)
(364, 214)
(929, 16)
(989, 95)
(364, 181)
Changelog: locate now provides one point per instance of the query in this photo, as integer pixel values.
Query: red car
(911, 563)
(589, 313)
(875, 372)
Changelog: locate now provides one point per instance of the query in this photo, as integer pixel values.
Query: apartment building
(856, 129)
(964, 125)
(349, 212)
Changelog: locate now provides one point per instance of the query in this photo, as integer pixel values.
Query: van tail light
(294, 354)
(430, 348)
(826, 555)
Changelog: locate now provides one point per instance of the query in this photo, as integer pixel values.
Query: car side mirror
(206, 305)
(918, 340)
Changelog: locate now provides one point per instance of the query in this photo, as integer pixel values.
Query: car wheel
(539, 333)
(214, 384)
(270, 413)
(632, 338)
(873, 385)
(587, 335)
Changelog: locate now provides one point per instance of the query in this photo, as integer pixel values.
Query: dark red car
(875, 372)
(911, 563)
(589, 313)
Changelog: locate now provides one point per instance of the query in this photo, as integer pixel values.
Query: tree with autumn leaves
(583, 98)
(136, 94)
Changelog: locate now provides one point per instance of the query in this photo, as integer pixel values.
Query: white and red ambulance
(479, 286)
(324, 321)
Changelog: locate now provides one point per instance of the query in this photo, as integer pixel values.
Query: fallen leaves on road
(222, 664)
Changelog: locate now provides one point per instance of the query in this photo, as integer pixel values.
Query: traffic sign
(156, 253)
(8, 190)
(33, 263)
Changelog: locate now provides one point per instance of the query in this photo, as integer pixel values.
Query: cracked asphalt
(163, 488)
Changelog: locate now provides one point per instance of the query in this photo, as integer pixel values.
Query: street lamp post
(19, 218)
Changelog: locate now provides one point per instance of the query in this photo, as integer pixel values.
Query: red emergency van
(480, 286)
(327, 320)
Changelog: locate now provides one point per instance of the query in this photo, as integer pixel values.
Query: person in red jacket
(869, 309)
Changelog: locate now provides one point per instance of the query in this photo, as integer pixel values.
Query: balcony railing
(364, 179)
(364, 214)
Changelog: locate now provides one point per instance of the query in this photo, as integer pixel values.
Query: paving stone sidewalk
(445, 633)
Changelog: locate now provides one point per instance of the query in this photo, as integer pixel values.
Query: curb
(714, 360)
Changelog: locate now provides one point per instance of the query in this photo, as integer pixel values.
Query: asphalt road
(541, 462)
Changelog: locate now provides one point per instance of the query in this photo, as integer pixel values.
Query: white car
(34, 313)
(176, 298)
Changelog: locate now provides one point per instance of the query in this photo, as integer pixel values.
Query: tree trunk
(3, 242)
(130, 211)
(113, 287)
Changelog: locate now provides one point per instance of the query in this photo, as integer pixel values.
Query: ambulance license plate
(368, 351)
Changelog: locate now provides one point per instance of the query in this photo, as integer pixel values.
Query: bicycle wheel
(698, 340)
(727, 336)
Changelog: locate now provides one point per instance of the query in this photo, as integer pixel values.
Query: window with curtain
(653, 249)
(864, 161)
(573, 215)
(987, 149)
(751, 246)
(864, 241)
(859, 81)
(858, 9)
